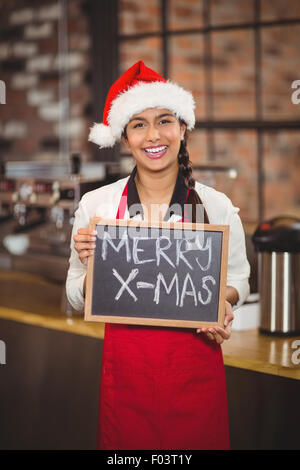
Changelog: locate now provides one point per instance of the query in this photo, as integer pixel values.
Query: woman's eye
(140, 124)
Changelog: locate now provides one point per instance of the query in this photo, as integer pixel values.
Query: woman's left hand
(217, 333)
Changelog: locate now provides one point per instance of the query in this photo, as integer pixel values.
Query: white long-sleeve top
(104, 202)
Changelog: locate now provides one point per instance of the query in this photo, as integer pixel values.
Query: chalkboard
(167, 274)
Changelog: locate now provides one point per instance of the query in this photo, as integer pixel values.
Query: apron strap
(206, 219)
(122, 203)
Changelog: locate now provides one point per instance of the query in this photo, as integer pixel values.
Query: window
(239, 59)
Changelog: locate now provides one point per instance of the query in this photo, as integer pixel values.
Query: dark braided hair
(185, 168)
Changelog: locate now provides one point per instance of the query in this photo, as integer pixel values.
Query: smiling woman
(161, 387)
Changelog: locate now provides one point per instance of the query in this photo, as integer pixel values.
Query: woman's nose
(152, 134)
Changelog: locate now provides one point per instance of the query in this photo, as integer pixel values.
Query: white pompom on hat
(140, 88)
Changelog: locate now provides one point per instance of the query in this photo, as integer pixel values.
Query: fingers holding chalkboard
(85, 243)
(217, 333)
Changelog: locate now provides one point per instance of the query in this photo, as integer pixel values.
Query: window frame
(258, 124)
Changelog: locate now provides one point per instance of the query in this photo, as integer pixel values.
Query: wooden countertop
(248, 349)
(74, 324)
(252, 350)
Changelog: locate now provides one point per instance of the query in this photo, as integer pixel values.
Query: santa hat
(140, 88)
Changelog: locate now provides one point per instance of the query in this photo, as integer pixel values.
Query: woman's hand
(217, 333)
(85, 243)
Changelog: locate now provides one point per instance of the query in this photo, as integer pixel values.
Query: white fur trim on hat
(101, 135)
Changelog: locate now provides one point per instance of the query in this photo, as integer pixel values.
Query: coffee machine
(37, 206)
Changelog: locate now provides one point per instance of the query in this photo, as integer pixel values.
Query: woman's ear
(124, 141)
(182, 130)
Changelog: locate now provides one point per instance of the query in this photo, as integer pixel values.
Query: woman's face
(153, 137)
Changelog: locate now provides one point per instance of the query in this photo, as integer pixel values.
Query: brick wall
(233, 90)
(30, 66)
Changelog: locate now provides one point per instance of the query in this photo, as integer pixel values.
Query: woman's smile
(155, 152)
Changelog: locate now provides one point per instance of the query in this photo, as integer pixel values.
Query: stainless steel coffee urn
(277, 242)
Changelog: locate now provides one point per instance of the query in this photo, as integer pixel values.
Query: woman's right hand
(85, 243)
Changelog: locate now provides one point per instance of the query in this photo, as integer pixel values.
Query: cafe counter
(50, 384)
(250, 350)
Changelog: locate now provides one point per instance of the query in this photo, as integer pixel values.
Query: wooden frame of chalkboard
(191, 308)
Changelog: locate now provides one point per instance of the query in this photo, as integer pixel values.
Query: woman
(161, 388)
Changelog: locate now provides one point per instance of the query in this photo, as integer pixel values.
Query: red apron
(161, 388)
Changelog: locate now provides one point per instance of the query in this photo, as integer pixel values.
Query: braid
(185, 168)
